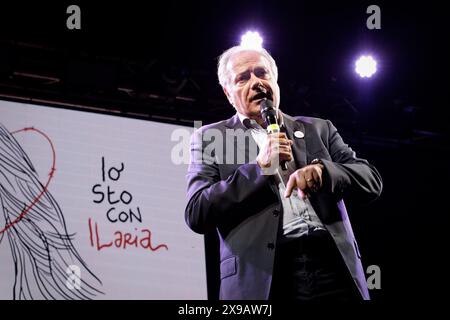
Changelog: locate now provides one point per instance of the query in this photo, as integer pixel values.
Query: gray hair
(225, 57)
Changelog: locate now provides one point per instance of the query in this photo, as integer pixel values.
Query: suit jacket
(243, 204)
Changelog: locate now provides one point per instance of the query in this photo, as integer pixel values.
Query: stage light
(251, 40)
(365, 66)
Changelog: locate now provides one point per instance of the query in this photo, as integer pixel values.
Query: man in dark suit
(284, 233)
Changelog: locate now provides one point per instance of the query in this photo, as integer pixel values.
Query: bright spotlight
(365, 66)
(251, 40)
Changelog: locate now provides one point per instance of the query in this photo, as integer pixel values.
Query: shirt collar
(248, 123)
(252, 124)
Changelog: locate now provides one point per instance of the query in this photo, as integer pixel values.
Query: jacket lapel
(290, 126)
(241, 146)
(299, 147)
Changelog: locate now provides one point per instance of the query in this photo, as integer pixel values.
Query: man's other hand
(307, 180)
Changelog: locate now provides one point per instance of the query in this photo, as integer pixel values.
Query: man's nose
(257, 84)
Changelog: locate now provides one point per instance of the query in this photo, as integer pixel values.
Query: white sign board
(92, 207)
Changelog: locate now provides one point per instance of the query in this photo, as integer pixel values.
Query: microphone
(269, 114)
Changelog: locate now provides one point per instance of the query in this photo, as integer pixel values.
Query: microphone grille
(267, 108)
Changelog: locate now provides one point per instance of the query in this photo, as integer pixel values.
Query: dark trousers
(311, 268)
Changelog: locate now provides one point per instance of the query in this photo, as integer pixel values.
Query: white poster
(92, 207)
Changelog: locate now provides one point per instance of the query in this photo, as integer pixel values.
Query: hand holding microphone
(277, 147)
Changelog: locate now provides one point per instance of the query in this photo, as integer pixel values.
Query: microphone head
(268, 112)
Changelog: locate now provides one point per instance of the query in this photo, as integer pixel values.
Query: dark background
(156, 60)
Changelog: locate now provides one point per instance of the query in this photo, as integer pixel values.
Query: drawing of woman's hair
(41, 247)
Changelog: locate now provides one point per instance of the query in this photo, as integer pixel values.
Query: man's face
(248, 70)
